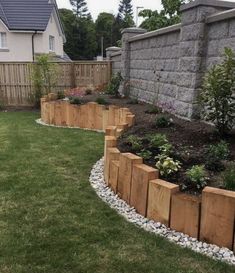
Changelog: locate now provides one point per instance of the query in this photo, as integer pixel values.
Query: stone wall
(167, 66)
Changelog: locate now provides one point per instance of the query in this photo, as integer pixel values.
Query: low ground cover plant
(102, 101)
(75, 100)
(163, 122)
(167, 165)
(229, 178)
(153, 110)
(197, 175)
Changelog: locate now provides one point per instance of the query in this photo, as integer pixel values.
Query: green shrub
(217, 98)
(133, 101)
(163, 122)
(102, 101)
(197, 175)
(113, 87)
(215, 154)
(153, 110)
(135, 142)
(157, 141)
(167, 165)
(229, 178)
(76, 101)
(60, 95)
(145, 154)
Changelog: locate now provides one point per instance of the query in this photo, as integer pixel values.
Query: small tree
(217, 97)
(44, 77)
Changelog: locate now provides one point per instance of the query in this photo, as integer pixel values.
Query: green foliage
(135, 142)
(133, 101)
(167, 165)
(125, 12)
(217, 98)
(102, 101)
(75, 100)
(44, 78)
(80, 8)
(215, 154)
(60, 95)
(114, 85)
(229, 178)
(104, 28)
(153, 110)
(145, 154)
(197, 175)
(163, 122)
(157, 141)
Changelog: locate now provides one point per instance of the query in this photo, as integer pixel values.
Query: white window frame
(3, 40)
(52, 43)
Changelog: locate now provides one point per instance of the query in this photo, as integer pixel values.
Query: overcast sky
(97, 6)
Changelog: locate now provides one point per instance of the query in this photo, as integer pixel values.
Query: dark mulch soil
(190, 140)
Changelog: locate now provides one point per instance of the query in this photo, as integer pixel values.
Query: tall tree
(104, 28)
(170, 15)
(125, 13)
(80, 8)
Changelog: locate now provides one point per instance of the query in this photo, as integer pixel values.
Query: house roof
(26, 15)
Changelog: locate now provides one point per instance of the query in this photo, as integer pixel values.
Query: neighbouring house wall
(19, 44)
(167, 66)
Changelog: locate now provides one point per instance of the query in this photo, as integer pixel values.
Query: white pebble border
(130, 214)
(40, 122)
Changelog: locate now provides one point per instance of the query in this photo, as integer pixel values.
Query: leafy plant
(102, 101)
(166, 149)
(167, 165)
(60, 95)
(145, 154)
(153, 110)
(215, 154)
(113, 87)
(163, 122)
(157, 141)
(44, 78)
(135, 142)
(217, 97)
(197, 175)
(229, 178)
(133, 101)
(75, 100)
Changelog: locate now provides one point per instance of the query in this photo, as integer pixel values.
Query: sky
(97, 6)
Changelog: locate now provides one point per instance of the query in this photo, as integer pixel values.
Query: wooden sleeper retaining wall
(210, 218)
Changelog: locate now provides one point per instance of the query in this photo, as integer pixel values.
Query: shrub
(113, 87)
(229, 178)
(145, 154)
(75, 100)
(167, 165)
(44, 78)
(153, 110)
(60, 95)
(157, 140)
(163, 122)
(135, 142)
(102, 101)
(133, 101)
(197, 175)
(215, 154)
(88, 92)
(217, 97)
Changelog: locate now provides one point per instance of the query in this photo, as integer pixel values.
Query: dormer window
(52, 43)
(3, 40)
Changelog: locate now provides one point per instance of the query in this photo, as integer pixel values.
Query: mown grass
(51, 220)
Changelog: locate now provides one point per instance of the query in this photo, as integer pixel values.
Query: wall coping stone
(224, 15)
(116, 53)
(134, 30)
(113, 48)
(212, 3)
(157, 32)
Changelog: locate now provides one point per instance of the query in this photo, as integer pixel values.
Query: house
(29, 28)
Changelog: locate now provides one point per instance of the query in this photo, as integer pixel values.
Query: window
(51, 43)
(3, 40)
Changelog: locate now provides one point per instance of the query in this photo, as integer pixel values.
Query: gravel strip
(130, 214)
(39, 121)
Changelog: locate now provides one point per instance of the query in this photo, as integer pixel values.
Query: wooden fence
(16, 84)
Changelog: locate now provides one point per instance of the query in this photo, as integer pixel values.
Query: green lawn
(51, 220)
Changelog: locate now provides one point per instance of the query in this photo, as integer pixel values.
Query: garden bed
(190, 140)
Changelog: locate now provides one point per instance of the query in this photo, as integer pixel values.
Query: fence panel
(16, 79)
